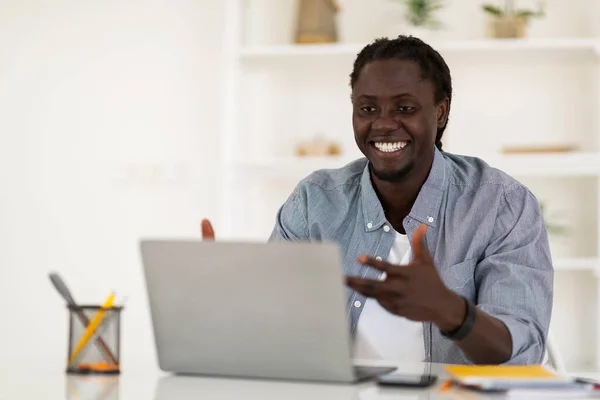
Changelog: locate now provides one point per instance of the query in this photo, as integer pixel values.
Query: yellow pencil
(91, 328)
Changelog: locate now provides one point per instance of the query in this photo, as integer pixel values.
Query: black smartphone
(588, 381)
(406, 380)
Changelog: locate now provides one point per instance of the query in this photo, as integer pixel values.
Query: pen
(446, 385)
(87, 334)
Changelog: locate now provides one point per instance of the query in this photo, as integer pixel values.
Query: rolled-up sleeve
(291, 220)
(514, 280)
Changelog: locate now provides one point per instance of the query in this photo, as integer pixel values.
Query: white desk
(155, 385)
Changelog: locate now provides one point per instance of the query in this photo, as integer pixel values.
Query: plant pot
(316, 22)
(506, 27)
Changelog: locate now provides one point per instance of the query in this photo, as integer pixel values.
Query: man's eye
(367, 109)
(406, 109)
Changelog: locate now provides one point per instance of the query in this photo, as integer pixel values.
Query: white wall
(95, 97)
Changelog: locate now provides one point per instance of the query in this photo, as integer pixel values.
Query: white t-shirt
(384, 336)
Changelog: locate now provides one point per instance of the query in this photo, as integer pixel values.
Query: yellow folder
(501, 372)
(507, 377)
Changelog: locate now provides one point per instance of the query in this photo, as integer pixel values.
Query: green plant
(509, 10)
(421, 12)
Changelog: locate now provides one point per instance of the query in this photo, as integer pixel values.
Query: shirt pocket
(460, 277)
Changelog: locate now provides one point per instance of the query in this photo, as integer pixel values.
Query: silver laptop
(257, 310)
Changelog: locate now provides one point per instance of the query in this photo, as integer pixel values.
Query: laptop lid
(268, 310)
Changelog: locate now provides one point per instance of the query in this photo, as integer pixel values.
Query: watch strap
(467, 324)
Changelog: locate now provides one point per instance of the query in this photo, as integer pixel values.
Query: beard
(392, 175)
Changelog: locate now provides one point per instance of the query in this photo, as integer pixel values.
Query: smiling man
(447, 258)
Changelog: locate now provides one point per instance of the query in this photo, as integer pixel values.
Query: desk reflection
(192, 388)
(92, 387)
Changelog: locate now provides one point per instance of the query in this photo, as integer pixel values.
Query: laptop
(252, 310)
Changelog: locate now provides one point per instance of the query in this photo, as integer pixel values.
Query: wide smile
(389, 148)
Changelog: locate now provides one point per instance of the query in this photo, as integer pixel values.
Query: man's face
(395, 117)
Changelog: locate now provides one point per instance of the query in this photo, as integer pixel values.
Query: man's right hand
(207, 230)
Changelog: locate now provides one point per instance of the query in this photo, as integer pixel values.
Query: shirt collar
(426, 207)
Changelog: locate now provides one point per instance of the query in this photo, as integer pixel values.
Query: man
(447, 258)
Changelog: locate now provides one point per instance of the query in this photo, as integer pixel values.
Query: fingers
(366, 287)
(388, 268)
(390, 304)
(418, 244)
(207, 230)
(373, 288)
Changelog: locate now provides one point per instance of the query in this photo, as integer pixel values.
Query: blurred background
(130, 119)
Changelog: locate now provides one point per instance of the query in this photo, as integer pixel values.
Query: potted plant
(420, 15)
(509, 22)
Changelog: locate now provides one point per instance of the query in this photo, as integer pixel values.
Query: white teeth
(387, 147)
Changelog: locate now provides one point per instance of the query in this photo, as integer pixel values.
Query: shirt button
(369, 225)
(378, 258)
(430, 219)
(386, 228)
(357, 304)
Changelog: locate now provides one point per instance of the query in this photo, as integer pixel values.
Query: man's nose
(385, 123)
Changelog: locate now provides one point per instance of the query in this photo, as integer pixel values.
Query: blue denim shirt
(485, 232)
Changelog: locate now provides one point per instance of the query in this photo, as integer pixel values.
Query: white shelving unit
(507, 92)
(554, 47)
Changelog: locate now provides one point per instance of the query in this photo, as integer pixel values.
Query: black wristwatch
(467, 324)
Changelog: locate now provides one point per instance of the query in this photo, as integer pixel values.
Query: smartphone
(406, 380)
(588, 381)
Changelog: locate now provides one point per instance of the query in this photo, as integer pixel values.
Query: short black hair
(432, 65)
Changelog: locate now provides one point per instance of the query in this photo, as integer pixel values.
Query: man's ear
(442, 113)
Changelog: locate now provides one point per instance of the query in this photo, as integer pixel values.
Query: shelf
(577, 264)
(555, 164)
(542, 165)
(524, 46)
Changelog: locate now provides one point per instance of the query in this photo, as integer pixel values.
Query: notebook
(509, 377)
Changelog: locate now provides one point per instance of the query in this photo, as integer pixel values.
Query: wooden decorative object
(316, 21)
(318, 148)
(538, 149)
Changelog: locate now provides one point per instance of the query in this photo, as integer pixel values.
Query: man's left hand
(414, 291)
